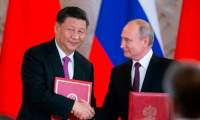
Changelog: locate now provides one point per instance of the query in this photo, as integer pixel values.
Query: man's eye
(127, 40)
(70, 29)
(81, 32)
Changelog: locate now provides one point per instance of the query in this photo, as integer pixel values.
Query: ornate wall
(168, 14)
(3, 8)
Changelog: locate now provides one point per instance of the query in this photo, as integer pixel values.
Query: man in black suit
(43, 63)
(137, 41)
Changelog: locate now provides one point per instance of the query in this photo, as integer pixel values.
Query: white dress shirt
(71, 62)
(143, 68)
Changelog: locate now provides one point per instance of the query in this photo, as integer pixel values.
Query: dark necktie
(65, 66)
(136, 80)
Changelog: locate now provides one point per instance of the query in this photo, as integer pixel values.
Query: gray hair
(145, 30)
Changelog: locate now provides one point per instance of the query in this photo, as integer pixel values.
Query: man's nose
(75, 35)
(122, 44)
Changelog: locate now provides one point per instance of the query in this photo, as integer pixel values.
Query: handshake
(82, 110)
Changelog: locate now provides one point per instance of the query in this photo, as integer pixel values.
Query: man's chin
(126, 54)
(73, 47)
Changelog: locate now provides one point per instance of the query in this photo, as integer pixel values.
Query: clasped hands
(83, 110)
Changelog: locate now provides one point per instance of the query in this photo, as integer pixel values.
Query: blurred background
(168, 16)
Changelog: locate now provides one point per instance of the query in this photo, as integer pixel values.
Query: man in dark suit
(137, 41)
(43, 63)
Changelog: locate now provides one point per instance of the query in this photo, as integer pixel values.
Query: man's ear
(56, 28)
(146, 41)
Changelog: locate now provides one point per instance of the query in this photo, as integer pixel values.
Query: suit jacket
(40, 66)
(116, 101)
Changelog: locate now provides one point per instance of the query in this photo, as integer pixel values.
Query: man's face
(131, 43)
(70, 34)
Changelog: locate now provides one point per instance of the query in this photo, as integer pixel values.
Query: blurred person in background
(182, 82)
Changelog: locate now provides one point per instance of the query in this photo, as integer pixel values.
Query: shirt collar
(145, 60)
(62, 53)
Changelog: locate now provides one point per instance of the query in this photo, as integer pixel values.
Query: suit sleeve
(110, 104)
(35, 90)
(93, 100)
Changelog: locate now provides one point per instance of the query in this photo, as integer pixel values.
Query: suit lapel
(55, 61)
(127, 75)
(149, 77)
(78, 67)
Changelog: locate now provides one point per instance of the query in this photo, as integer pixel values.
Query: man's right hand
(82, 110)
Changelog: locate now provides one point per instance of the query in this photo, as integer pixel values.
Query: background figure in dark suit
(137, 41)
(182, 82)
(43, 63)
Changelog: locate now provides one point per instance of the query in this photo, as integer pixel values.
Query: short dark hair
(71, 12)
